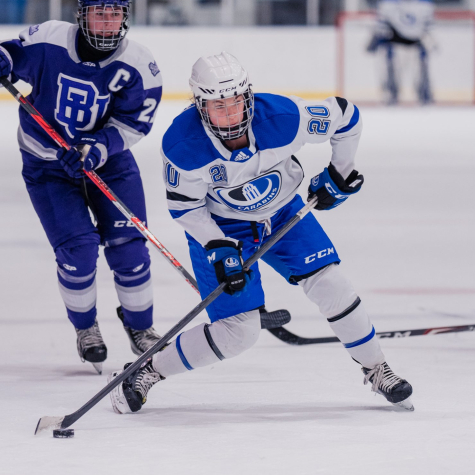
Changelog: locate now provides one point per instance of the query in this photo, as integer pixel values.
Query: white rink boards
(406, 242)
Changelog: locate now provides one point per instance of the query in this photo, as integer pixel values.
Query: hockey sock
(79, 295)
(130, 261)
(135, 294)
(206, 344)
(338, 302)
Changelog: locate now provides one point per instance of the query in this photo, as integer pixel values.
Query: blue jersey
(115, 99)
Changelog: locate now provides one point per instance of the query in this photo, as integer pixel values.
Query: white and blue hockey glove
(331, 189)
(226, 257)
(6, 64)
(85, 155)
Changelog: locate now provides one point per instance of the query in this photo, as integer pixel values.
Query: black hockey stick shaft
(70, 419)
(97, 180)
(292, 339)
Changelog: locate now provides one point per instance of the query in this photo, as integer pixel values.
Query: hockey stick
(292, 339)
(97, 180)
(269, 320)
(273, 319)
(64, 422)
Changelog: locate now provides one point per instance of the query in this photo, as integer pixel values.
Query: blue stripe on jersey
(360, 342)
(353, 121)
(179, 213)
(181, 354)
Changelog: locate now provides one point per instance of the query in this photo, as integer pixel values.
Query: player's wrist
(93, 152)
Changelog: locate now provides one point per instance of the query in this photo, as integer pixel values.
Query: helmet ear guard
(110, 39)
(222, 77)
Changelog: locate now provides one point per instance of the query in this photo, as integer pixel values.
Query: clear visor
(104, 26)
(228, 118)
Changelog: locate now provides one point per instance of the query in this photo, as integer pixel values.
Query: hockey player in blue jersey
(231, 182)
(99, 89)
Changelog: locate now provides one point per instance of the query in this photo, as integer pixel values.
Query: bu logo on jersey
(79, 105)
(252, 195)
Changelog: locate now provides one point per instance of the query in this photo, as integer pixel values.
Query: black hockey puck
(63, 433)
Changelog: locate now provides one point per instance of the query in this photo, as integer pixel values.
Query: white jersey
(410, 18)
(204, 178)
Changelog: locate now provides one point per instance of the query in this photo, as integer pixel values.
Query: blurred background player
(404, 25)
(231, 182)
(101, 92)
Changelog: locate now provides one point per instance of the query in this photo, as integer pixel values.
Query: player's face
(226, 112)
(105, 21)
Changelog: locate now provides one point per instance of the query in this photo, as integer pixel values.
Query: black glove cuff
(217, 243)
(342, 184)
(336, 177)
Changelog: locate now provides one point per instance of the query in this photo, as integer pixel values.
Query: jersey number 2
(148, 115)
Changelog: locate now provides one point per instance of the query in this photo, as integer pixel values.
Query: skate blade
(97, 367)
(48, 423)
(406, 404)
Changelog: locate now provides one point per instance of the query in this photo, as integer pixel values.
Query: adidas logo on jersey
(241, 156)
(87, 63)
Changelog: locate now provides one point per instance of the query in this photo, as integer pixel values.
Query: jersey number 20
(318, 125)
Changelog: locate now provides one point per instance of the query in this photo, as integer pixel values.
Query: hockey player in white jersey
(404, 25)
(97, 88)
(231, 182)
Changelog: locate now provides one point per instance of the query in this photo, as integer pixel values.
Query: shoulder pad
(186, 144)
(141, 59)
(51, 32)
(276, 121)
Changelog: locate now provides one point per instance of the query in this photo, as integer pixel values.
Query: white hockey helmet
(221, 77)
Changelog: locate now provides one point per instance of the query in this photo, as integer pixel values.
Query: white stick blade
(48, 423)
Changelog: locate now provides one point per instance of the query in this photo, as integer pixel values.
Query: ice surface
(406, 242)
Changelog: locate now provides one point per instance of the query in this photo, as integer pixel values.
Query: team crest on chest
(252, 195)
(79, 106)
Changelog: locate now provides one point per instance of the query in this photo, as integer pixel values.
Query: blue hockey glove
(6, 64)
(331, 189)
(85, 155)
(226, 257)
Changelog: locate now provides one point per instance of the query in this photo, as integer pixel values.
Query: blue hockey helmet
(104, 23)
